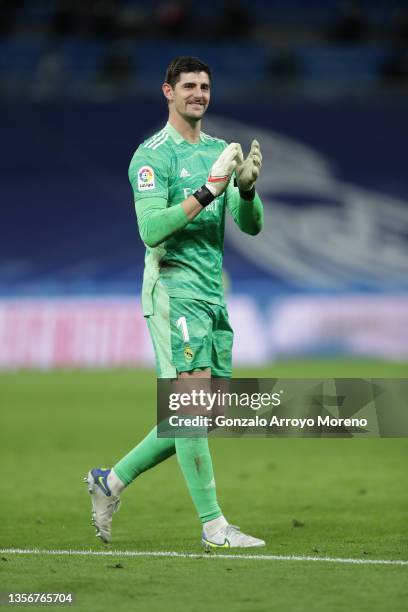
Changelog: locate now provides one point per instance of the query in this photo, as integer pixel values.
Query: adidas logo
(184, 173)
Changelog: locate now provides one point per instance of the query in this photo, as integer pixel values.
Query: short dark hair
(184, 63)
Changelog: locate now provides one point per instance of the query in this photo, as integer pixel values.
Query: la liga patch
(145, 178)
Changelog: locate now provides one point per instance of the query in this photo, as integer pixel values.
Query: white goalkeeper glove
(247, 170)
(222, 169)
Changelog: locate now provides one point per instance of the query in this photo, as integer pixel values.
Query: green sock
(194, 458)
(148, 453)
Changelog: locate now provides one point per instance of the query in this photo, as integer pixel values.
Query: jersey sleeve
(157, 222)
(149, 177)
(149, 174)
(248, 215)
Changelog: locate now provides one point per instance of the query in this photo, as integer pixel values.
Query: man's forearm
(248, 215)
(158, 223)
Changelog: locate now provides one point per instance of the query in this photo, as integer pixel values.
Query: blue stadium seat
(37, 12)
(301, 12)
(341, 63)
(228, 61)
(19, 57)
(83, 57)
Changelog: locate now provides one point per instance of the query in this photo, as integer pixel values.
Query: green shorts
(188, 335)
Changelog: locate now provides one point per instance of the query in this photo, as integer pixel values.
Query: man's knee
(195, 386)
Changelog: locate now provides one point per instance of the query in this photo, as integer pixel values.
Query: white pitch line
(215, 555)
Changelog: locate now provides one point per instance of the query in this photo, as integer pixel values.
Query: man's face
(191, 94)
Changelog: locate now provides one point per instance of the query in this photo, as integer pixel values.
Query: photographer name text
(258, 421)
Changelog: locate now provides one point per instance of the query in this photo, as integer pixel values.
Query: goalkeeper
(183, 182)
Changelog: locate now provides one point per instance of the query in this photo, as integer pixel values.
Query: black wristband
(204, 196)
(247, 195)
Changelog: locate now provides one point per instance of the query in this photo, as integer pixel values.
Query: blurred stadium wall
(329, 273)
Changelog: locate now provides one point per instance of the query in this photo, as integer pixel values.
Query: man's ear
(167, 91)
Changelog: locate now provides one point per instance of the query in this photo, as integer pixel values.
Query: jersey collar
(177, 137)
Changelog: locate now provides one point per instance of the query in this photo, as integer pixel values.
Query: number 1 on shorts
(182, 324)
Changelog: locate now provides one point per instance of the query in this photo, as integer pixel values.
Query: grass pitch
(336, 498)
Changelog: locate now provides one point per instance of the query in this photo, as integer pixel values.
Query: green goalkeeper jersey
(164, 171)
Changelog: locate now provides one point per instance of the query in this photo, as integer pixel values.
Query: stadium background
(80, 89)
(323, 291)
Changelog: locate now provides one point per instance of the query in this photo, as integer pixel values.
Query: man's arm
(242, 200)
(247, 214)
(157, 222)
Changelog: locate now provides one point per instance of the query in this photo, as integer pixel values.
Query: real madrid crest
(188, 353)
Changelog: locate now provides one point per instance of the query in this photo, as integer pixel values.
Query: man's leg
(195, 461)
(193, 453)
(217, 534)
(149, 452)
(105, 485)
